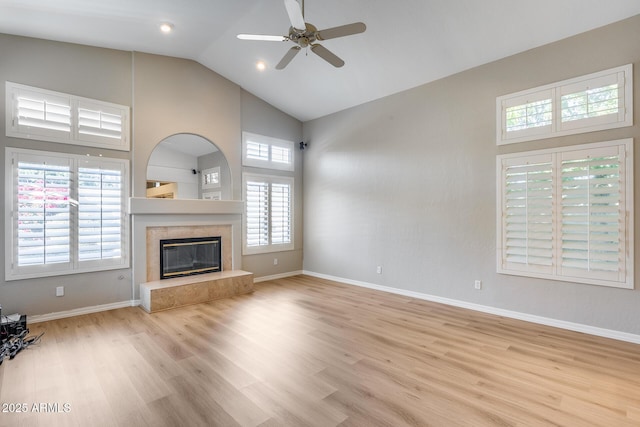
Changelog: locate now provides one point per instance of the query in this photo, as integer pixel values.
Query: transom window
(35, 113)
(597, 101)
(266, 152)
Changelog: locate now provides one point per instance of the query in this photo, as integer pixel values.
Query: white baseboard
(571, 326)
(132, 303)
(80, 311)
(277, 276)
(577, 327)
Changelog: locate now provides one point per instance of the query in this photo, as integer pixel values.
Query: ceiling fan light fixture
(304, 35)
(166, 27)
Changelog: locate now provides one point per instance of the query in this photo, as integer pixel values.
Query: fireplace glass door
(188, 256)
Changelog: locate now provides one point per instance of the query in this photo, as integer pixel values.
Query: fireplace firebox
(189, 256)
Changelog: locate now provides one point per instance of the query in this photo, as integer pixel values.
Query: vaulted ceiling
(407, 42)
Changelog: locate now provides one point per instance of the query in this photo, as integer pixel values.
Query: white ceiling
(407, 42)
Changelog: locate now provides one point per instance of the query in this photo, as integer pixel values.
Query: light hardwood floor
(304, 351)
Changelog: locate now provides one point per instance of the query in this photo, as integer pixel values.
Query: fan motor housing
(303, 39)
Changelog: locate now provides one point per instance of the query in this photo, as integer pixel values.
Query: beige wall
(173, 96)
(257, 118)
(167, 96)
(70, 69)
(408, 182)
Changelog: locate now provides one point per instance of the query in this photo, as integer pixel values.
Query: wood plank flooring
(303, 351)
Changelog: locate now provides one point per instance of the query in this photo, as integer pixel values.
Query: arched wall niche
(188, 166)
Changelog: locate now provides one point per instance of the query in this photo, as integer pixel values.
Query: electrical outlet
(379, 269)
(478, 284)
(60, 291)
(275, 261)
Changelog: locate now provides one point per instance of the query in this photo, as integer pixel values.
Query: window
(211, 178)
(529, 115)
(266, 152)
(269, 213)
(65, 214)
(567, 214)
(45, 115)
(594, 102)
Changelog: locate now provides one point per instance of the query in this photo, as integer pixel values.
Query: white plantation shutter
(257, 218)
(58, 117)
(280, 213)
(99, 121)
(40, 114)
(592, 102)
(101, 124)
(565, 214)
(266, 152)
(528, 214)
(593, 214)
(44, 114)
(257, 151)
(100, 212)
(42, 211)
(527, 115)
(269, 213)
(65, 214)
(280, 154)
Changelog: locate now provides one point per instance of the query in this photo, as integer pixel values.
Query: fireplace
(189, 256)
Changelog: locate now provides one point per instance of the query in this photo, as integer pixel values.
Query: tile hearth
(161, 295)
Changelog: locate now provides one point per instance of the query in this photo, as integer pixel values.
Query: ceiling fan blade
(295, 14)
(327, 55)
(291, 53)
(262, 37)
(341, 31)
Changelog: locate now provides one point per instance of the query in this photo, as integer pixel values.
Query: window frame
(271, 143)
(76, 135)
(622, 75)
(555, 271)
(74, 265)
(270, 247)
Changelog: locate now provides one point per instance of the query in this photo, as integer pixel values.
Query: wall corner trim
(37, 318)
(277, 276)
(576, 327)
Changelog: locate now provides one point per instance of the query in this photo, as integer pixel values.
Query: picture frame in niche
(212, 195)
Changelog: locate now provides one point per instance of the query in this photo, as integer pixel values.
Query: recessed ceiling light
(261, 66)
(166, 27)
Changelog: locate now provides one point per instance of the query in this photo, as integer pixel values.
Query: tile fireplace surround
(155, 219)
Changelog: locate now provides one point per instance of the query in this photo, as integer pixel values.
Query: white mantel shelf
(144, 206)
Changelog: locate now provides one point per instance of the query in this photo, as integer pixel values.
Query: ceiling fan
(306, 35)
